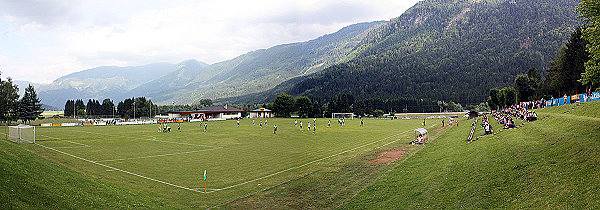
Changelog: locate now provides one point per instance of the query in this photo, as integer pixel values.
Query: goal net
(22, 134)
(342, 115)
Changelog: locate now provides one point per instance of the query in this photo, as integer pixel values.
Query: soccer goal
(21, 134)
(342, 115)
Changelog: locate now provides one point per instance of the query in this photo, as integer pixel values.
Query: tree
(79, 107)
(576, 56)
(590, 11)
(494, 99)
(304, 106)
(69, 108)
(317, 110)
(107, 107)
(9, 96)
(93, 108)
(524, 87)
(533, 74)
(330, 108)
(556, 75)
(456, 107)
(509, 96)
(283, 105)
(29, 105)
(344, 103)
(125, 108)
(205, 102)
(378, 113)
(362, 108)
(142, 107)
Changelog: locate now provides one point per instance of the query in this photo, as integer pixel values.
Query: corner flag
(204, 181)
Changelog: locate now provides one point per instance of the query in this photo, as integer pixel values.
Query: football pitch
(238, 160)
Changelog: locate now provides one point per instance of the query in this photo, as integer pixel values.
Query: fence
(578, 98)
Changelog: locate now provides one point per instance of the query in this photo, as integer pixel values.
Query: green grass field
(550, 163)
(168, 167)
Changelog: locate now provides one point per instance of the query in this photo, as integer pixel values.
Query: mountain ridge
(446, 50)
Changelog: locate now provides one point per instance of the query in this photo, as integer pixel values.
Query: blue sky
(43, 40)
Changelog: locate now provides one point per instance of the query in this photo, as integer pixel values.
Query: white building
(213, 112)
(261, 113)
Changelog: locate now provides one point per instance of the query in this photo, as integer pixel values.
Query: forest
(444, 51)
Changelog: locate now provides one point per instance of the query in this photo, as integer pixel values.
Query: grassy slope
(550, 163)
(29, 181)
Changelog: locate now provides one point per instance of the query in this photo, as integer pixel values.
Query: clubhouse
(213, 112)
(261, 113)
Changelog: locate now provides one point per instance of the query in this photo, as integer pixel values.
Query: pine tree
(590, 11)
(79, 105)
(9, 97)
(29, 105)
(69, 107)
(107, 107)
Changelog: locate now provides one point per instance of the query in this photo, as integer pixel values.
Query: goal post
(342, 115)
(21, 134)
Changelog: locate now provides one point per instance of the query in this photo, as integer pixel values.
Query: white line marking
(71, 147)
(72, 142)
(161, 155)
(306, 164)
(116, 169)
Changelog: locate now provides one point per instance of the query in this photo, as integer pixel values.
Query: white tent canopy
(422, 132)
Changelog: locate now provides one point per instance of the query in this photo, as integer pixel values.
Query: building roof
(261, 110)
(212, 109)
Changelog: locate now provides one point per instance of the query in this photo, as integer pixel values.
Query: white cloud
(85, 34)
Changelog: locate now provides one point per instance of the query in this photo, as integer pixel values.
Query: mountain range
(444, 50)
(438, 49)
(192, 80)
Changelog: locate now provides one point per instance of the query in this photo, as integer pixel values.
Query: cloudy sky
(42, 40)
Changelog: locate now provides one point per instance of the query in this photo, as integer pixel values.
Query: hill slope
(264, 69)
(449, 50)
(191, 80)
(31, 182)
(162, 87)
(549, 163)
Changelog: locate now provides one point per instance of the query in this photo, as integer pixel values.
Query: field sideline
(238, 160)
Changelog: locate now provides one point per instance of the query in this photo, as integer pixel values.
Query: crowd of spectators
(504, 119)
(520, 111)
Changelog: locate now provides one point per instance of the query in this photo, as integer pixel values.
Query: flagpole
(205, 186)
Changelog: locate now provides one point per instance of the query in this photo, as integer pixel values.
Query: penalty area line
(72, 142)
(306, 164)
(121, 170)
